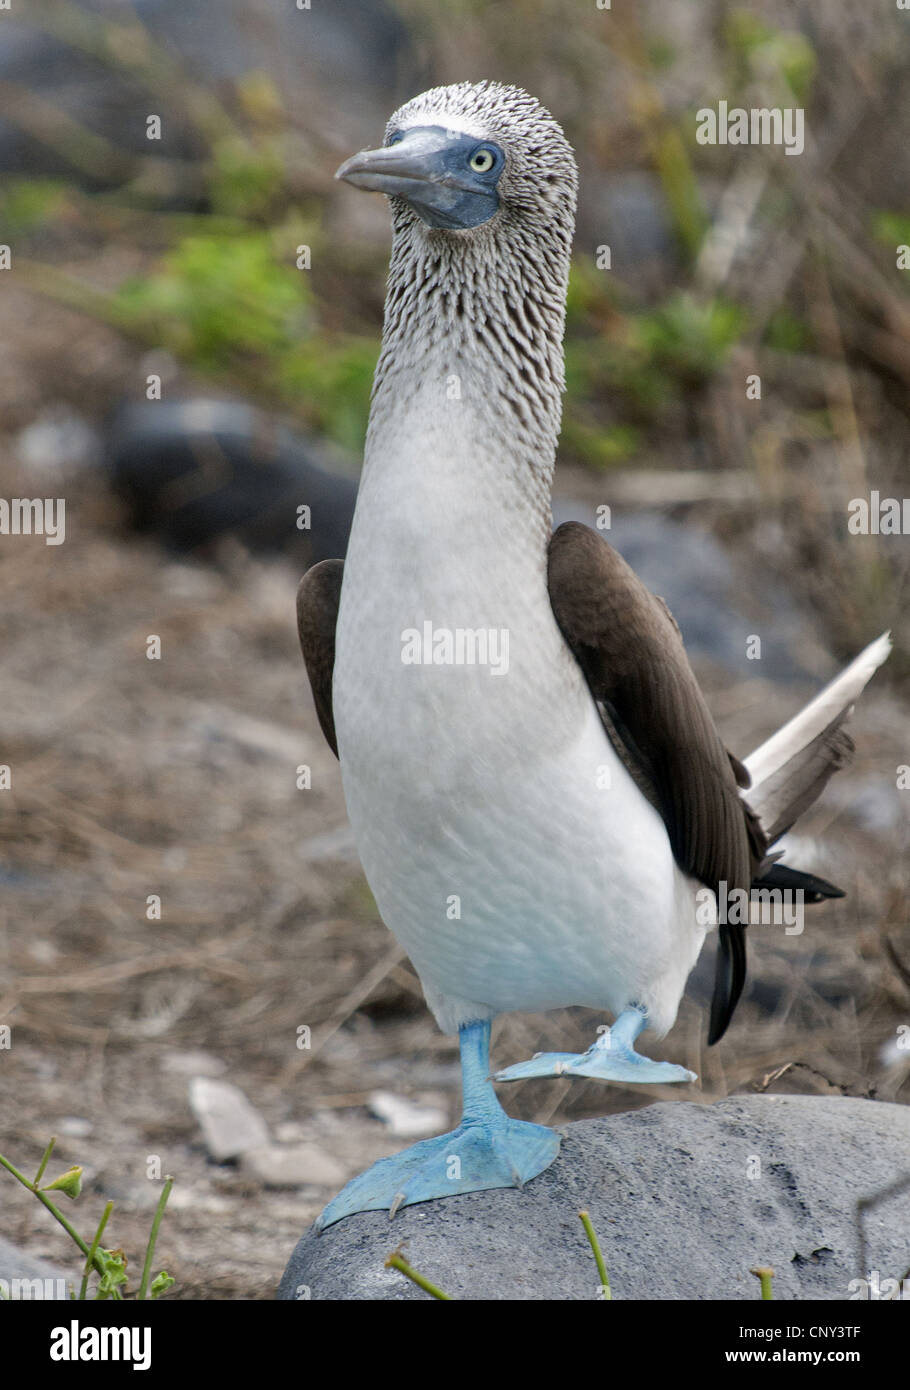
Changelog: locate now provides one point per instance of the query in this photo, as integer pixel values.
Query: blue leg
(611, 1058)
(488, 1149)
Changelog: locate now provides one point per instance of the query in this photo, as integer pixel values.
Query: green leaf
(689, 336)
(891, 228)
(113, 1265)
(785, 332)
(245, 180)
(222, 298)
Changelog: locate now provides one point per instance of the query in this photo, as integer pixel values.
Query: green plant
(397, 1261)
(891, 228)
(771, 54)
(598, 1256)
(687, 336)
(109, 1265)
(27, 205)
(785, 332)
(764, 1276)
(230, 306)
(216, 299)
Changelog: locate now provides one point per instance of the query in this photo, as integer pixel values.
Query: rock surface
(670, 1196)
(350, 49)
(230, 1124)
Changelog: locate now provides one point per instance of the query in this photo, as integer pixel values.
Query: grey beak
(418, 158)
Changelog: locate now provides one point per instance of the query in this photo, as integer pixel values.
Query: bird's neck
(468, 387)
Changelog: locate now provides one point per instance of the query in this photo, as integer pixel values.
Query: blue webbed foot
(478, 1155)
(488, 1149)
(611, 1058)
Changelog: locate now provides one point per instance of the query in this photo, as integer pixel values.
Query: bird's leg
(611, 1058)
(488, 1149)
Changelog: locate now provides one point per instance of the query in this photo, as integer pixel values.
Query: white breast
(506, 845)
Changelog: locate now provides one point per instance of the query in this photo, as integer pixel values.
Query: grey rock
(628, 212)
(353, 50)
(710, 592)
(230, 1124)
(670, 1196)
(406, 1118)
(155, 461)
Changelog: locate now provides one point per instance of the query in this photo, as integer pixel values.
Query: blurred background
(222, 261)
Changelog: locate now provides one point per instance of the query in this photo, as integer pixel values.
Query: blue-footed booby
(535, 783)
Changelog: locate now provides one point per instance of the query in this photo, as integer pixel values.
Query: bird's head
(473, 156)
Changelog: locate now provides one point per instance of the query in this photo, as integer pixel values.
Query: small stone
(292, 1165)
(44, 952)
(196, 1199)
(290, 1132)
(406, 1118)
(57, 441)
(74, 1127)
(193, 1063)
(230, 1124)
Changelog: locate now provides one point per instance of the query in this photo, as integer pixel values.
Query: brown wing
(318, 594)
(630, 650)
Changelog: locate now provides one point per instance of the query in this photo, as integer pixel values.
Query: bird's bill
(417, 158)
(418, 168)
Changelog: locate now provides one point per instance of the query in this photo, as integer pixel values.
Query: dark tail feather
(729, 978)
(814, 889)
(730, 966)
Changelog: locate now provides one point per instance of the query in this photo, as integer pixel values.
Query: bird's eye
(482, 161)
(397, 138)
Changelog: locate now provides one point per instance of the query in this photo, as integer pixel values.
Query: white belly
(506, 845)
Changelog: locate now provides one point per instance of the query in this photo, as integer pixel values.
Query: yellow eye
(482, 161)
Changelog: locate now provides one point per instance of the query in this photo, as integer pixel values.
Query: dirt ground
(177, 778)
